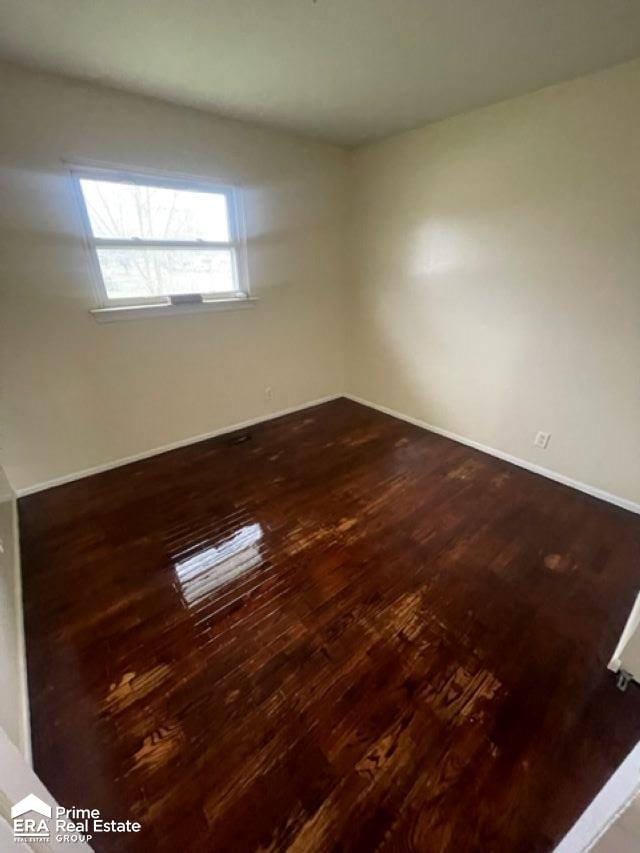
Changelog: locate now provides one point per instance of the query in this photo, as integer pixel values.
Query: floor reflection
(217, 565)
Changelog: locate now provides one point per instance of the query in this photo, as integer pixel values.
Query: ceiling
(344, 70)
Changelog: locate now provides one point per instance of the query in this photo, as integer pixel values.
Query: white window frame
(112, 308)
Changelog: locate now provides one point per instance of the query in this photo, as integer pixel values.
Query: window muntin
(154, 239)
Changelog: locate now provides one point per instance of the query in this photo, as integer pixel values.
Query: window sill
(132, 312)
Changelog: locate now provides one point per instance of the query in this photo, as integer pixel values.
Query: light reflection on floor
(217, 565)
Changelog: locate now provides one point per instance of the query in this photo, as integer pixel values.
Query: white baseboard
(608, 806)
(624, 503)
(595, 492)
(174, 445)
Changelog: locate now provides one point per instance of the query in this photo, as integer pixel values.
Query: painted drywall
(77, 394)
(496, 272)
(13, 691)
(494, 285)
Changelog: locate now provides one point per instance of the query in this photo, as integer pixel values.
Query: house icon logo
(30, 818)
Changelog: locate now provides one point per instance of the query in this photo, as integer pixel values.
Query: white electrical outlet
(268, 393)
(542, 440)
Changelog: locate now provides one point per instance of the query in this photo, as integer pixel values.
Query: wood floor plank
(332, 632)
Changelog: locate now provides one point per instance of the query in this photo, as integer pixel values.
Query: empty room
(320, 426)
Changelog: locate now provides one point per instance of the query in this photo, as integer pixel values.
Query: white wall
(77, 394)
(495, 287)
(497, 277)
(13, 685)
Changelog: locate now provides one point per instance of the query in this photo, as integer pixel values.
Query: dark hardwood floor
(341, 633)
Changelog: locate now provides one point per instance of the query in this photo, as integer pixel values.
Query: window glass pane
(128, 211)
(161, 272)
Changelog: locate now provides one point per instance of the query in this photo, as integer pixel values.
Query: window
(162, 242)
